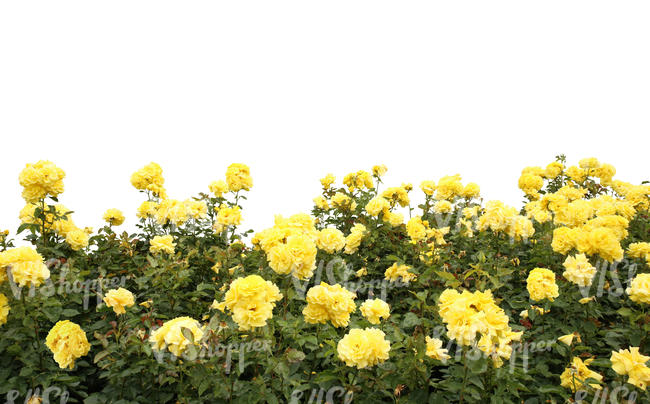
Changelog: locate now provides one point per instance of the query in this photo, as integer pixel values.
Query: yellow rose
(4, 309)
(26, 266)
(149, 178)
(118, 299)
(435, 349)
(575, 375)
(377, 205)
(363, 348)
(251, 301)
(162, 243)
(218, 188)
(40, 180)
(541, 284)
(68, 342)
(329, 303)
(114, 217)
(170, 335)
(330, 240)
(374, 310)
(639, 289)
(238, 177)
(632, 363)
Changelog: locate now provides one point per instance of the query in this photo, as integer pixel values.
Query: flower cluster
(162, 244)
(40, 180)
(290, 245)
(450, 187)
(149, 178)
(4, 308)
(118, 299)
(329, 303)
(470, 315)
(68, 342)
(58, 219)
(114, 217)
(541, 284)
(640, 250)
(363, 348)
(26, 266)
(632, 363)
(458, 267)
(238, 177)
(374, 310)
(499, 217)
(639, 289)
(170, 335)
(579, 270)
(354, 239)
(575, 375)
(251, 301)
(396, 272)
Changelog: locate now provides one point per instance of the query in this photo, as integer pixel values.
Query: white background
(297, 89)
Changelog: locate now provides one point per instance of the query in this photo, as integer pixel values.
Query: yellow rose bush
(382, 292)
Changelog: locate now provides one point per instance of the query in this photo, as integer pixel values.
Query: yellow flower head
(579, 270)
(149, 178)
(118, 299)
(329, 303)
(530, 184)
(229, 216)
(321, 203)
(589, 163)
(394, 219)
(541, 284)
(449, 187)
(377, 205)
(147, 209)
(363, 348)
(251, 301)
(435, 349)
(354, 239)
(395, 272)
(471, 190)
(68, 342)
(330, 240)
(77, 239)
(26, 266)
(470, 315)
(416, 229)
(428, 187)
(640, 250)
(114, 217)
(374, 310)
(218, 188)
(342, 201)
(639, 289)
(4, 309)
(575, 375)
(327, 181)
(170, 335)
(442, 207)
(40, 180)
(196, 209)
(172, 211)
(553, 170)
(162, 243)
(379, 170)
(632, 363)
(360, 179)
(238, 177)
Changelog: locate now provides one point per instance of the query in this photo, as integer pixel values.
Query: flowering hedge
(366, 299)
